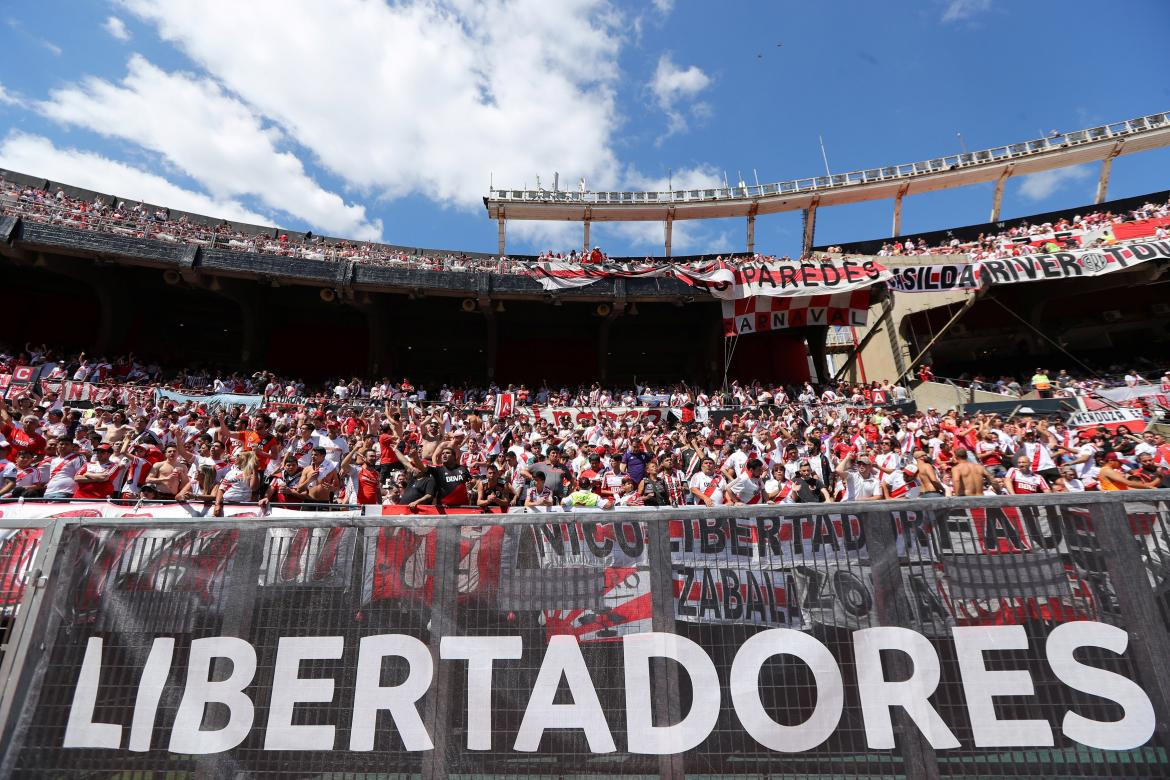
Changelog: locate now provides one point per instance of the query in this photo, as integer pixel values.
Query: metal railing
(996, 154)
(115, 602)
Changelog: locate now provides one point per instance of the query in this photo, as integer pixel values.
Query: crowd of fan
(402, 445)
(1094, 229)
(139, 221)
(136, 220)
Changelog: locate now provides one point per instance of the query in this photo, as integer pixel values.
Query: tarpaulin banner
(211, 401)
(1073, 264)
(1133, 419)
(935, 278)
(783, 278)
(571, 416)
(758, 314)
(472, 645)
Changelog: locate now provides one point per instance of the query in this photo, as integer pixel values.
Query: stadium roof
(1101, 143)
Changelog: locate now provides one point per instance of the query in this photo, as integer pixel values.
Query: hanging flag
(505, 402)
(762, 313)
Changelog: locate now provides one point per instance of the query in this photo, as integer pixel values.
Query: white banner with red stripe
(788, 278)
(759, 313)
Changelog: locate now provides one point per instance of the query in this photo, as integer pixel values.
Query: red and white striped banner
(758, 314)
(789, 278)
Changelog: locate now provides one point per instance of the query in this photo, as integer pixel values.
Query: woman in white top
(239, 484)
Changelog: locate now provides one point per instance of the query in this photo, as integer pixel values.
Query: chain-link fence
(998, 637)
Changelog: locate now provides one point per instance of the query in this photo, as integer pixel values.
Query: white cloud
(212, 137)
(116, 28)
(664, 6)
(961, 10)
(420, 97)
(38, 156)
(673, 87)
(8, 99)
(1038, 186)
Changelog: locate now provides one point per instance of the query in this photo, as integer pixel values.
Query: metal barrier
(994, 637)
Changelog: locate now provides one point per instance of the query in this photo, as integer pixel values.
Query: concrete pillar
(585, 243)
(997, 198)
(751, 230)
(377, 313)
(1106, 167)
(816, 350)
(810, 226)
(114, 305)
(898, 209)
(502, 231)
(252, 300)
(491, 345)
(669, 229)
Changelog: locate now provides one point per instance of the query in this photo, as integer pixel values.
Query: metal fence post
(1149, 641)
(891, 608)
(667, 709)
(240, 592)
(444, 594)
(29, 624)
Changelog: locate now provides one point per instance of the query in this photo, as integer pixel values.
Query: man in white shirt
(746, 488)
(862, 481)
(706, 484)
(63, 469)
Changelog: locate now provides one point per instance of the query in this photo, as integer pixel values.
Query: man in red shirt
(97, 477)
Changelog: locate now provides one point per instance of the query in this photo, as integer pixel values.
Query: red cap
(600, 450)
(1113, 456)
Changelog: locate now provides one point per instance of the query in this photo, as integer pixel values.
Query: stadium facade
(180, 303)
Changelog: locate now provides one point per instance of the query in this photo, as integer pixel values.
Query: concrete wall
(886, 352)
(943, 396)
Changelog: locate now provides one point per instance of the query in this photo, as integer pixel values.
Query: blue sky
(388, 121)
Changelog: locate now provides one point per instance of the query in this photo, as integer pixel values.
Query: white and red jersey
(110, 473)
(1039, 456)
(736, 461)
(221, 467)
(903, 482)
(475, 462)
(746, 489)
(8, 470)
(236, 488)
(989, 453)
(133, 475)
(887, 461)
(302, 450)
(1025, 483)
(62, 472)
(787, 491)
(711, 487)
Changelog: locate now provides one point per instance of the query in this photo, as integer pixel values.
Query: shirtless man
(966, 476)
(168, 476)
(928, 480)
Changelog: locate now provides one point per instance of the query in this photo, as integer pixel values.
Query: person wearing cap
(333, 440)
(100, 475)
(862, 480)
(1113, 476)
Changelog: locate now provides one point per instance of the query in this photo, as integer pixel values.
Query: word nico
(563, 659)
